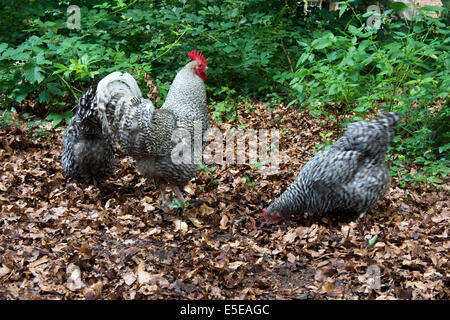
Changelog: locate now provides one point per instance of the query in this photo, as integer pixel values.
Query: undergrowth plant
(403, 66)
(49, 63)
(331, 63)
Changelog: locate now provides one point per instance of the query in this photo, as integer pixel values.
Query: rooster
(349, 176)
(152, 136)
(87, 151)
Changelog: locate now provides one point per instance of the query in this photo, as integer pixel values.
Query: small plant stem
(115, 11)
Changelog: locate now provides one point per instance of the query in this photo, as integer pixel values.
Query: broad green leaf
(398, 6)
(432, 8)
(44, 96)
(342, 10)
(323, 44)
(33, 73)
(40, 59)
(17, 54)
(3, 46)
(434, 179)
(360, 109)
(373, 240)
(56, 118)
(444, 148)
(68, 116)
(353, 30)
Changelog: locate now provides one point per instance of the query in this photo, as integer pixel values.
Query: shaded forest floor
(65, 240)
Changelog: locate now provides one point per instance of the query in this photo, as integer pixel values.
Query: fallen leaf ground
(64, 240)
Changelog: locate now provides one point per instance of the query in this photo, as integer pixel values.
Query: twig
(170, 46)
(68, 86)
(287, 56)
(65, 82)
(113, 12)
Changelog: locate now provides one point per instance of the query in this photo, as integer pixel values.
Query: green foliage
(56, 118)
(328, 62)
(371, 241)
(357, 69)
(177, 204)
(7, 118)
(204, 168)
(25, 121)
(326, 141)
(224, 110)
(48, 62)
(250, 174)
(210, 172)
(402, 67)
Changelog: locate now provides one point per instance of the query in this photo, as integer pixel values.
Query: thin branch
(68, 86)
(64, 81)
(171, 46)
(287, 56)
(113, 12)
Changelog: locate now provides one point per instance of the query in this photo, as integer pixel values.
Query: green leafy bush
(403, 67)
(328, 62)
(242, 41)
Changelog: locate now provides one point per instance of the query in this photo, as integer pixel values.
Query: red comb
(197, 55)
(265, 215)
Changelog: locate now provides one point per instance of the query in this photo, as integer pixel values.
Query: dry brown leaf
(205, 210)
(93, 292)
(74, 281)
(224, 222)
(236, 264)
(180, 226)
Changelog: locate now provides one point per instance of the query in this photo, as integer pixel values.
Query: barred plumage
(148, 134)
(125, 115)
(87, 151)
(186, 101)
(349, 176)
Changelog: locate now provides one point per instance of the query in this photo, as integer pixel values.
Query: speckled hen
(349, 176)
(87, 151)
(157, 138)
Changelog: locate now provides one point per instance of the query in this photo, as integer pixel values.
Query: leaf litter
(64, 240)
